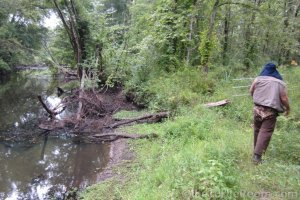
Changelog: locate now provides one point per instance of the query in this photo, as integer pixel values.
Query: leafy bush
(192, 126)
(4, 66)
(171, 90)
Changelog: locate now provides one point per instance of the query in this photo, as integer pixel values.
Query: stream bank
(61, 154)
(41, 164)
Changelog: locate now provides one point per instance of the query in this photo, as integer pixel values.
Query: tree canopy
(144, 34)
(21, 31)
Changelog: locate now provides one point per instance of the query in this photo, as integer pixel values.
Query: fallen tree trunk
(99, 138)
(51, 112)
(150, 118)
(218, 103)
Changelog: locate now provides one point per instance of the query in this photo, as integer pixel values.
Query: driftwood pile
(93, 121)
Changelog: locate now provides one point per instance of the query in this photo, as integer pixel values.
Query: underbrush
(172, 90)
(206, 153)
(183, 164)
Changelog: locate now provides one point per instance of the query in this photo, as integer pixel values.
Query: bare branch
(156, 117)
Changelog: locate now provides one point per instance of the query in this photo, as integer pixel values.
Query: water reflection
(18, 99)
(50, 166)
(64, 165)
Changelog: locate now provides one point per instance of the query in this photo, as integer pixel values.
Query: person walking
(270, 98)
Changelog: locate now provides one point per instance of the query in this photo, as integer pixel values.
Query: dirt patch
(120, 154)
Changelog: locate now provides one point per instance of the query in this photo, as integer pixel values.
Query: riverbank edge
(119, 154)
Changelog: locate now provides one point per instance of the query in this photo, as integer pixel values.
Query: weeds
(206, 153)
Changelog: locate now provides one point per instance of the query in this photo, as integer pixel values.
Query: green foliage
(171, 90)
(207, 46)
(4, 66)
(192, 127)
(60, 47)
(283, 147)
(201, 153)
(206, 153)
(179, 165)
(21, 32)
(91, 80)
(70, 85)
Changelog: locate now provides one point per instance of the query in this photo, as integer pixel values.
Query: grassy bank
(206, 153)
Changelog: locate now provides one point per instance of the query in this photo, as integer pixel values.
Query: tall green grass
(206, 153)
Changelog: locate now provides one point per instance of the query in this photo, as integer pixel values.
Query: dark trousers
(263, 130)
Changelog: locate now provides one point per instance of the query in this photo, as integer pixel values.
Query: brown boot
(256, 159)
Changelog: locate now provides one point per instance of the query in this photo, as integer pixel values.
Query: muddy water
(49, 166)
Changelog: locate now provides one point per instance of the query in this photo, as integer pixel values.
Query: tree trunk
(297, 10)
(213, 18)
(189, 49)
(52, 113)
(209, 33)
(99, 63)
(98, 57)
(226, 35)
(250, 43)
(288, 12)
(73, 29)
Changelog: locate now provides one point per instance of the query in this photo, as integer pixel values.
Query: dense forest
(174, 55)
(127, 37)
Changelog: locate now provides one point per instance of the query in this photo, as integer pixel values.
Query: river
(51, 165)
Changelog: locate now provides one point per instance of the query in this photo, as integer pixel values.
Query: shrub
(172, 90)
(4, 66)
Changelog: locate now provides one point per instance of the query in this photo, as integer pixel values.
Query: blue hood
(270, 70)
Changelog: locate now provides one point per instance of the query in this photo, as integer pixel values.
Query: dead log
(150, 118)
(218, 103)
(51, 112)
(100, 138)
